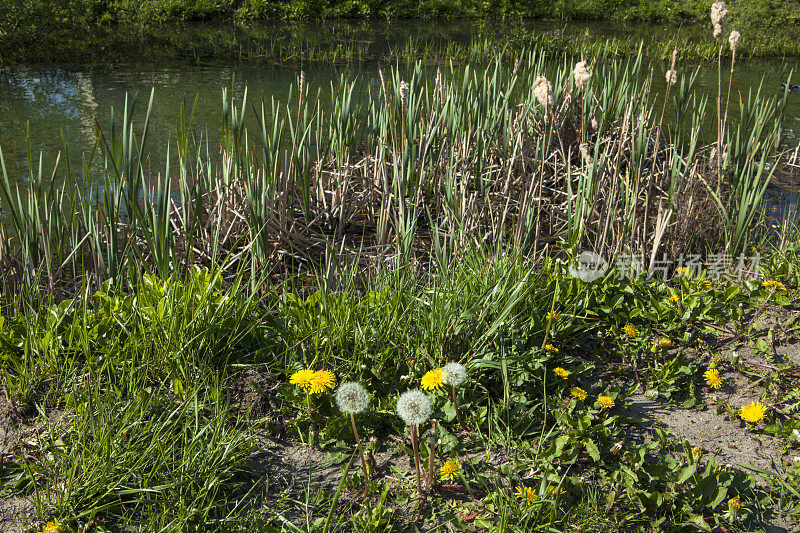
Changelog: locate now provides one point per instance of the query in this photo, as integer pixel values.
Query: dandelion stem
(550, 316)
(361, 452)
(759, 365)
(455, 406)
(416, 455)
(432, 454)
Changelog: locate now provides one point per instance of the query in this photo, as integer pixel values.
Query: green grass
(141, 425)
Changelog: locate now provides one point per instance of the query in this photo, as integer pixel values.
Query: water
(52, 101)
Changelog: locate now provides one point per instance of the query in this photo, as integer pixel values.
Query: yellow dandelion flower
(773, 285)
(302, 378)
(552, 317)
(752, 412)
(697, 451)
(321, 381)
(526, 495)
(53, 527)
(630, 331)
(701, 343)
(448, 470)
(550, 348)
(682, 271)
(674, 299)
(606, 401)
(735, 505)
(712, 378)
(432, 379)
(563, 373)
(579, 393)
(663, 343)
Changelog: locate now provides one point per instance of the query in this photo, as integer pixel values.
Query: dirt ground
(723, 435)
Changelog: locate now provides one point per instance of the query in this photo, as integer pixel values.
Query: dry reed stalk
(718, 14)
(734, 39)
(671, 79)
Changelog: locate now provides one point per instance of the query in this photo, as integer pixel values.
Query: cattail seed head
(454, 374)
(734, 40)
(302, 88)
(543, 91)
(584, 150)
(352, 398)
(438, 88)
(672, 77)
(403, 93)
(718, 13)
(414, 407)
(582, 73)
(383, 88)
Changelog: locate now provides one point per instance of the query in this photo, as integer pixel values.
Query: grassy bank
(167, 406)
(357, 42)
(94, 31)
(155, 319)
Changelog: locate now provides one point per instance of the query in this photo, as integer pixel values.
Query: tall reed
(415, 171)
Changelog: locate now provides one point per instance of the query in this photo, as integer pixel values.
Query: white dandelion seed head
(582, 73)
(454, 374)
(672, 77)
(543, 91)
(414, 407)
(734, 40)
(352, 398)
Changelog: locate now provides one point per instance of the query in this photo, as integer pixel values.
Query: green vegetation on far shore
(766, 13)
(124, 30)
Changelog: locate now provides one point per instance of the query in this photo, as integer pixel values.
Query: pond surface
(55, 101)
